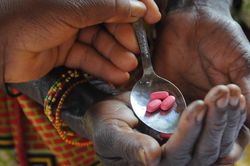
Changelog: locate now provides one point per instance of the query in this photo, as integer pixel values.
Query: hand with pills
(200, 46)
(92, 35)
(205, 135)
(195, 49)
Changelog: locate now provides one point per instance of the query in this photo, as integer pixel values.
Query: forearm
(75, 105)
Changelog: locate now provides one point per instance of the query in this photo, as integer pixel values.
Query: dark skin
(110, 124)
(186, 54)
(208, 132)
(208, 48)
(37, 36)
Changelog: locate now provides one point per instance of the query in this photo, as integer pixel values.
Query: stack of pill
(160, 100)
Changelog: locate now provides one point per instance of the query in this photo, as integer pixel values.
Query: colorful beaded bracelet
(55, 99)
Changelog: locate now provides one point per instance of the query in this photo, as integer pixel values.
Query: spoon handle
(143, 45)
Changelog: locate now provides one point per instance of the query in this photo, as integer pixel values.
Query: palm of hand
(200, 49)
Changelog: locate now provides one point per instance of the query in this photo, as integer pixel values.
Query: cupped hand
(200, 47)
(37, 36)
(111, 125)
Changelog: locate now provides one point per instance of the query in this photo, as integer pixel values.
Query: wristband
(55, 98)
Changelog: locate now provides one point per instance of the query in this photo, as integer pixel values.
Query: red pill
(153, 105)
(159, 95)
(167, 103)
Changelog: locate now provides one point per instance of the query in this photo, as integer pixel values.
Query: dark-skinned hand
(200, 46)
(37, 36)
(111, 125)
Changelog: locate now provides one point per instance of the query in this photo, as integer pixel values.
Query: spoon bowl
(162, 122)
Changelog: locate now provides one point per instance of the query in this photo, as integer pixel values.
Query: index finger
(125, 35)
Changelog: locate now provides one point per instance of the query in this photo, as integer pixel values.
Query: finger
(81, 14)
(84, 57)
(119, 19)
(109, 47)
(153, 14)
(235, 109)
(244, 137)
(129, 40)
(243, 115)
(208, 147)
(244, 84)
(178, 149)
(132, 12)
(238, 148)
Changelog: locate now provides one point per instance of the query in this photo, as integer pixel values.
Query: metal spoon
(151, 82)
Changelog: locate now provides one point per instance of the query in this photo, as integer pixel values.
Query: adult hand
(111, 126)
(202, 46)
(37, 36)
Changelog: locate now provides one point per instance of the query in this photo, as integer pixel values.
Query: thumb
(85, 13)
(117, 142)
(120, 146)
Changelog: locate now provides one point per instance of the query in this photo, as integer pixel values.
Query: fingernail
(234, 101)
(222, 102)
(138, 8)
